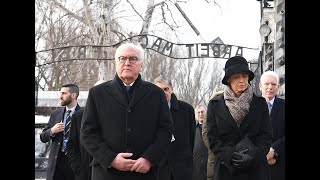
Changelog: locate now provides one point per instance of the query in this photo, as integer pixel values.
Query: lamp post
(253, 66)
(265, 31)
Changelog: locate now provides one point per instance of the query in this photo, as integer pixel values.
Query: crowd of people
(139, 130)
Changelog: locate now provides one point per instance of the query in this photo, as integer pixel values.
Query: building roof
(51, 98)
(39, 119)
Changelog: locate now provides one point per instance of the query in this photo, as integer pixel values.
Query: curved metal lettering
(151, 42)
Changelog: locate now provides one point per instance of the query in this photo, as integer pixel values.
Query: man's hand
(122, 163)
(142, 165)
(271, 161)
(57, 128)
(271, 157)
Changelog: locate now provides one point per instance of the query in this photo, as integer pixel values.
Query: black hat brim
(237, 69)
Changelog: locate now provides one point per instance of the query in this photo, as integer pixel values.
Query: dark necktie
(66, 131)
(68, 123)
(129, 92)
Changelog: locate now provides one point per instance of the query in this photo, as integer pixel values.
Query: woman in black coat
(239, 128)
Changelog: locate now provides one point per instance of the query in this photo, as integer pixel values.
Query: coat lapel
(114, 90)
(275, 108)
(139, 92)
(60, 116)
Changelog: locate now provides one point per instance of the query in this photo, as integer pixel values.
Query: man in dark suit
(200, 151)
(126, 125)
(79, 158)
(269, 87)
(178, 163)
(57, 131)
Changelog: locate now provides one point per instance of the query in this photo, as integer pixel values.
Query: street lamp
(265, 30)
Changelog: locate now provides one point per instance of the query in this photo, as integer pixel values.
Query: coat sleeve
(192, 129)
(263, 139)
(45, 134)
(222, 151)
(90, 134)
(205, 133)
(158, 148)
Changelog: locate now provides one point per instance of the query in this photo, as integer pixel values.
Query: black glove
(241, 160)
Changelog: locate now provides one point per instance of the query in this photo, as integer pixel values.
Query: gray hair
(130, 45)
(269, 73)
(161, 79)
(199, 106)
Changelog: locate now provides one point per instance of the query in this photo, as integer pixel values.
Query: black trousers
(63, 169)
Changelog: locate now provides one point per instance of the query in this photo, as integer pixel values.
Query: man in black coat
(178, 163)
(58, 164)
(200, 151)
(269, 87)
(126, 125)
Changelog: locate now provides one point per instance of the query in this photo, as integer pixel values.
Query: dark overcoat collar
(117, 90)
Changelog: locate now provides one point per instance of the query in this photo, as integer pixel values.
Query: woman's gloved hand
(241, 160)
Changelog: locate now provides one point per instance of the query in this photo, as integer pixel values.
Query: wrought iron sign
(150, 42)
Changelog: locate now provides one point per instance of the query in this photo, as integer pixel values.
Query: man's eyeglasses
(132, 59)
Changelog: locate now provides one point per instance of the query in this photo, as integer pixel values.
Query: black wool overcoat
(113, 123)
(224, 134)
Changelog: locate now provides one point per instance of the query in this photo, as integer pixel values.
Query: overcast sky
(236, 22)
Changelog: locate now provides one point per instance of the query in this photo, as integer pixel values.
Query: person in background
(126, 124)
(239, 127)
(200, 151)
(210, 163)
(178, 163)
(269, 87)
(57, 131)
(79, 158)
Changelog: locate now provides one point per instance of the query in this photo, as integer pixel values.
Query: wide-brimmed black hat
(235, 65)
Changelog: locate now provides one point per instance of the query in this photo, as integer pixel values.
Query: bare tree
(68, 23)
(64, 24)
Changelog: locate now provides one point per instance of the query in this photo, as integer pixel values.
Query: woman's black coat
(223, 135)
